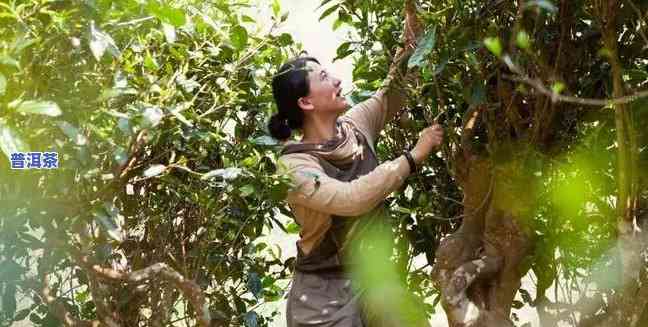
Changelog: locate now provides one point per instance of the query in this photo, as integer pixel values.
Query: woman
(339, 184)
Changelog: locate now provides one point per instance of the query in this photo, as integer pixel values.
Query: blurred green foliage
(157, 110)
(154, 108)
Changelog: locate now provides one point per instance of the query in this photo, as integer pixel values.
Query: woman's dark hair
(288, 85)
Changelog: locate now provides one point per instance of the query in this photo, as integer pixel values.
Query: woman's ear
(305, 104)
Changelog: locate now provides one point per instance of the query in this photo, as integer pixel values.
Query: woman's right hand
(429, 139)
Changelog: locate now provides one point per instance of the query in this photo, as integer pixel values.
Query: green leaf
(558, 87)
(3, 85)
(264, 140)
(9, 61)
(227, 173)
(493, 44)
(169, 32)
(35, 318)
(166, 13)
(323, 4)
(478, 94)
(258, 248)
(247, 190)
(187, 84)
(209, 21)
(438, 68)
(254, 284)
(522, 40)
(251, 319)
(635, 75)
(22, 314)
(181, 118)
(10, 270)
(239, 303)
(47, 108)
(82, 296)
(425, 46)
(276, 8)
(120, 156)
(250, 161)
(115, 92)
(403, 210)
(120, 80)
(112, 213)
(517, 304)
(150, 62)
(525, 295)
(21, 44)
(9, 299)
(285, 39)
(154, 170)
(337, 24)
(152, 116)
(329, 11)
(343, 51)
(108, 223)
(292, 228)
(422, 200)
(605, 52)
(101, 42)
(239, 37)
(10, 142)
(72, 132)
(343, 18)
(125, 126)
(278, 192)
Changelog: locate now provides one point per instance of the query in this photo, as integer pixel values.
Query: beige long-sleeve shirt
(316, 196)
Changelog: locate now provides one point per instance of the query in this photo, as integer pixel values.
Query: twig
(59, 310)
(62, 313)
(555, 97)
(132, 22)
(188, 287)
(639, 29)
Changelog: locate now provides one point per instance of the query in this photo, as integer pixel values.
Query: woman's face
(325, 92)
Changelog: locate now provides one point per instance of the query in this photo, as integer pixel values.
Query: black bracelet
(411, 162)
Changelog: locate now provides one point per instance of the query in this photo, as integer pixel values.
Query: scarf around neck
(344, 148)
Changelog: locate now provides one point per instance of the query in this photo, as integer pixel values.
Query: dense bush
(167, 177)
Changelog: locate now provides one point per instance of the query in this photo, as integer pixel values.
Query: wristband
(411, 162)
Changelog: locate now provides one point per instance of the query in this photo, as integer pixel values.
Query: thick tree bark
(478, 268)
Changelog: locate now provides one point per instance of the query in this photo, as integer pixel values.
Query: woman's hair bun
(278, 127)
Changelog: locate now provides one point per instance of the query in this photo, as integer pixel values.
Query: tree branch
(62, 313)
(188, 287)
(538, 85)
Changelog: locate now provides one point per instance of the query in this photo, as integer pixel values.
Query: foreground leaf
(426, 44)
(101, 42)
(72, 132)
(154, 170)
(10, 142)
(109, 224)
(227, 173)
(47, 108)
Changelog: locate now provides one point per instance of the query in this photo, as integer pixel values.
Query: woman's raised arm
(372, 114)
(316, 190)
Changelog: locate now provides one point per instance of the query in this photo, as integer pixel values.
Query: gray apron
(322, 292)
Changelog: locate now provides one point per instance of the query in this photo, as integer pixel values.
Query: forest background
(167, 189)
